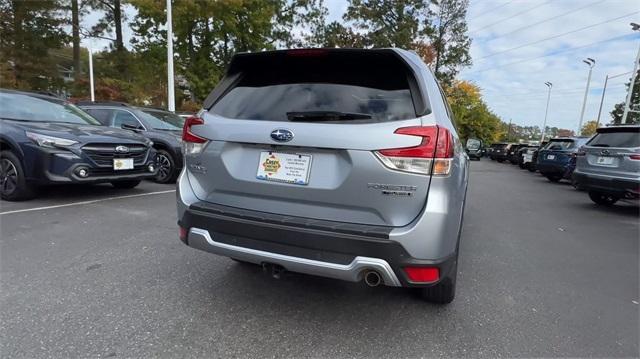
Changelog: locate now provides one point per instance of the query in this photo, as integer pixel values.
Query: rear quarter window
(616, 139)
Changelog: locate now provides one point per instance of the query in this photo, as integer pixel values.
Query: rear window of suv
(624, 139)
(560, 145)
(380, 90)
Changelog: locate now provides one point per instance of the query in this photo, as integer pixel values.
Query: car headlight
(49, 141)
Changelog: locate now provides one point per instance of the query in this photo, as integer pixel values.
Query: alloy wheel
(164, 167)
(8, 176)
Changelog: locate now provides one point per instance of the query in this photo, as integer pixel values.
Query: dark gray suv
(608, 166)
(340, 163)
(162, 127)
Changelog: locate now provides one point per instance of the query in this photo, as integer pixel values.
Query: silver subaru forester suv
(341, 163)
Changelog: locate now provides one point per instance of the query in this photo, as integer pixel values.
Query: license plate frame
(284, 167)
(121, 164)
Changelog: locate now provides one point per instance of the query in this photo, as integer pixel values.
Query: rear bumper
(622, 187)
(323, 248)
(563, 169)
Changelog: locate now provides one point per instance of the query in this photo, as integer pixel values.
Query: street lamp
(627, 103)
(546, 111)
(591, 63)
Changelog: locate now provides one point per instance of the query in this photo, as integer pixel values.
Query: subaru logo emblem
(281, 135)
(604, 152)
(122, 149)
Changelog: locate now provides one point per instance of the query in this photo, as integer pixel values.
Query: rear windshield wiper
(600, 145)
(326, 116)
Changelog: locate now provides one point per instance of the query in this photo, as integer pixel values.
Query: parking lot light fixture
(546, 111)
(627, 103)
(591, 63)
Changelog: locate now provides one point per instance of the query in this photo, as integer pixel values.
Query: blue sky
(561, 33)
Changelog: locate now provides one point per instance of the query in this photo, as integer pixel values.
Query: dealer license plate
(122, 164)
(284, 167)
(604, 160)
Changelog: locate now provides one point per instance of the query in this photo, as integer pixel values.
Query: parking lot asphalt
(99, 272)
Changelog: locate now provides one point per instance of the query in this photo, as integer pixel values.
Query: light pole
(171, 103)
(546, 111)
(627, 103)
(591, 63)
(93, 96)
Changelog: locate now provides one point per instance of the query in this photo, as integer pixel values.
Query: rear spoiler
(243, 61)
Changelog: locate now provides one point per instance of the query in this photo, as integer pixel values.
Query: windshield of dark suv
(157, 123)
(22, 107)
(623, 139)
(320, 89)
(167, 117)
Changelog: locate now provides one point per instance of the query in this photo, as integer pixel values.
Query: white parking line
(86, 202)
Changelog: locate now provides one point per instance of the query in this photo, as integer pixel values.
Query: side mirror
(126, 126)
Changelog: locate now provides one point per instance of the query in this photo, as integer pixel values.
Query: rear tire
(521, 165)
(554, 178)
(443, 292)
(531, 168)
(128, 184)
(499, 160)
(603, 199)
(13, 184)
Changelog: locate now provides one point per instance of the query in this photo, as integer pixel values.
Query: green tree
(618, 110)
(472, 117)
(589, 128)
(447, 34)
(208, 33)
(28, 31)
(387, 23)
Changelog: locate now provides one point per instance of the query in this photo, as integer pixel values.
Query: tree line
(41, 39)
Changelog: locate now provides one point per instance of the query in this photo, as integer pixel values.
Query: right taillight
(192, 143)
(634, 157)
(432, 156)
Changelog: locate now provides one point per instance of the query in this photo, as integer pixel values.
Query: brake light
(192, 144)
(187, 135)
(422, 274)
(432, 156)
(634, 157)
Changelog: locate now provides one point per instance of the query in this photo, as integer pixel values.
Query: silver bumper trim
(352, 272)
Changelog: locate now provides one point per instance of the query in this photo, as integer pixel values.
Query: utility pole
(509, 133)
(591, 63)
(171, 103)
(604, 89)
(546, 111)
(627, 103)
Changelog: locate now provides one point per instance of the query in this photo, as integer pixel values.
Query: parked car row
(46, 140)
(606, 166)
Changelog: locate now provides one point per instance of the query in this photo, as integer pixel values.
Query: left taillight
(432, 156)
(192, 143)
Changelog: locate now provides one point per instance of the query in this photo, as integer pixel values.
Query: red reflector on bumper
(183, 234)
(422, 274)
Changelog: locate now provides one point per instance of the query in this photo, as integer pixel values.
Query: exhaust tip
(372, 278)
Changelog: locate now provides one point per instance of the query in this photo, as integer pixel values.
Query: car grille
(104, 153)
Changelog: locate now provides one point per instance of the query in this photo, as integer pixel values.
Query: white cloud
(517, 91)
